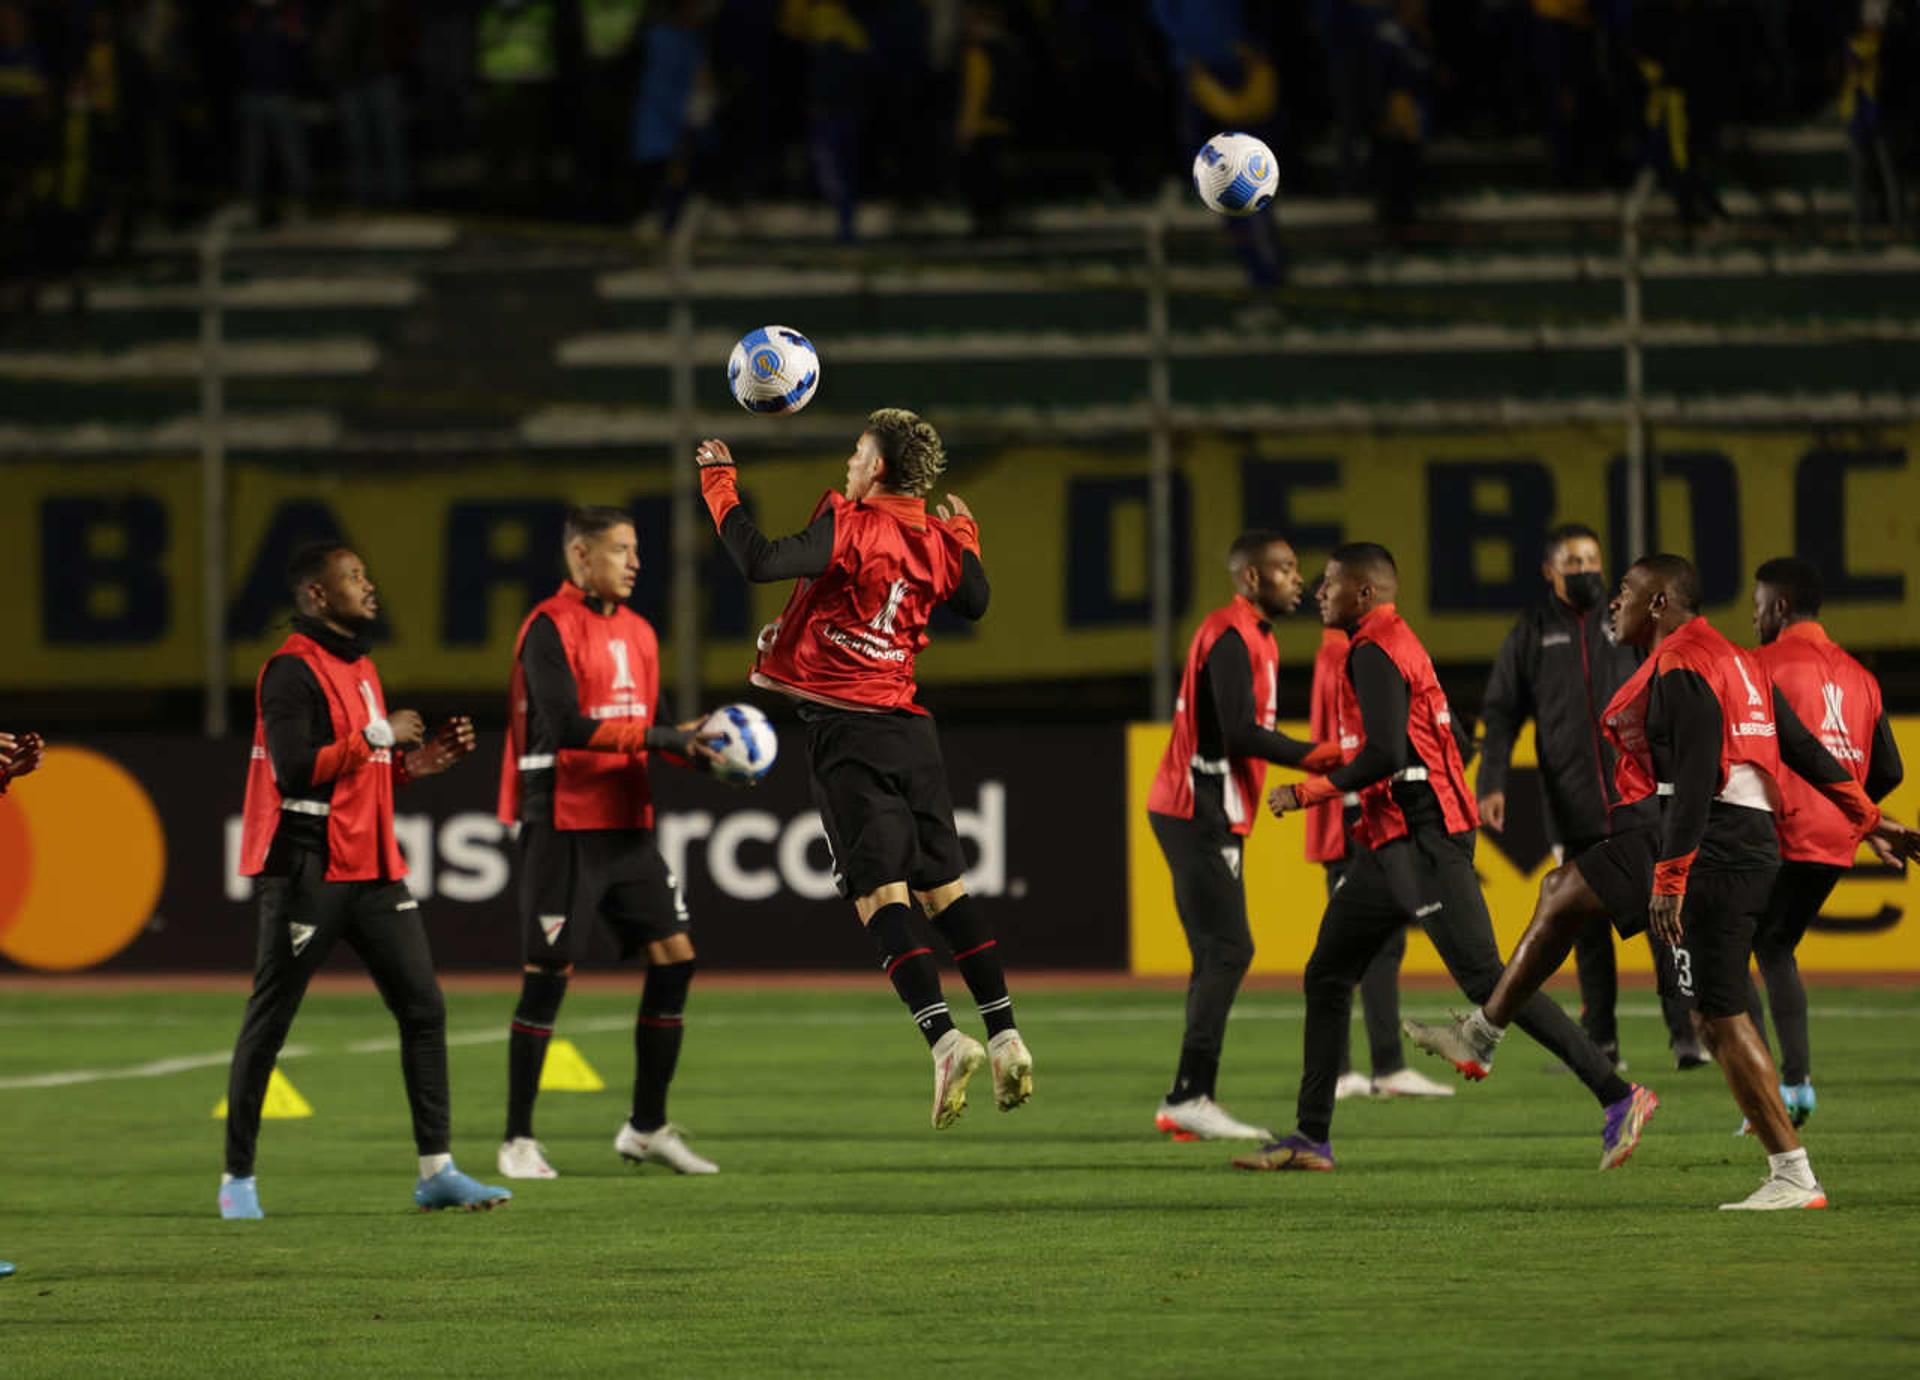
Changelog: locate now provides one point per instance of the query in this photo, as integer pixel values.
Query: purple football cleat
(1295, 1152)
(1626, 1119)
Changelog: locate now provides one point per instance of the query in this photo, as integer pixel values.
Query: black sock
(1195, 1076)
(916, 977)
(540, 994)
(656, 1041)
(976, 953)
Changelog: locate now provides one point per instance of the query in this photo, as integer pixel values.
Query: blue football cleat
(240, 1200)
(1800, 1101)
(6, 1268)
(452, 1189)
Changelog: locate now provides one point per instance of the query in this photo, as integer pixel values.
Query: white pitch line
(1072, 1015)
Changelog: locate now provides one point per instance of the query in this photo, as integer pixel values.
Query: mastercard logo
(82, 857)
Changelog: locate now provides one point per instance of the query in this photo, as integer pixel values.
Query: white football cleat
(523, 1157)
(1201, 1118)
(664, 1146)
(1409, 1083)
(1352, 1085)
(957, 1056)
(1777, 1193)
(1012, 1069)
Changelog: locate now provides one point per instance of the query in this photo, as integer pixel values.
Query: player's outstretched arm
(972, 594)
(758, 557)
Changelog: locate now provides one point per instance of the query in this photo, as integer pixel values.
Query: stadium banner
(121, 853)
(108, 551)
(1870, 925)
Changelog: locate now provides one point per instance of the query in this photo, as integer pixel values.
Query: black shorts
(1798, 893)
(880, 785)
(573, 880)
(1620, 871)
(1717, 921)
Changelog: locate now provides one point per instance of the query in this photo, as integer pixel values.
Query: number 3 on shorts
(1683, 971)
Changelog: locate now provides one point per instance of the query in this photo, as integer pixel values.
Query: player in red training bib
(317, 835)
(574, 778)
(871, 567)
(1839, 700)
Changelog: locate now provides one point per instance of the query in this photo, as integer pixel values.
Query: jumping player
(1823, 686)
(1699, 746)
(1412, 862)
(586, 678)
(1203, 804)
(318, 834)
(872, 566)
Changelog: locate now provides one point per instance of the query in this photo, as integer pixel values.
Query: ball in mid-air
(1236, 174)
(774, 370)
(745, 740)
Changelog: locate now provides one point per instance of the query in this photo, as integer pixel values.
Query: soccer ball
(745, 741)
(774, 370)
(1235, 174)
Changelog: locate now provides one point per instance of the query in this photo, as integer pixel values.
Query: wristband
(1314, 790)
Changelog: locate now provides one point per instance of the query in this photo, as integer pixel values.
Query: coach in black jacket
(1558, 669)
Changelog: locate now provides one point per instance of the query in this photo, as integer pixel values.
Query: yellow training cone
(567, 1070)
(283, 1100)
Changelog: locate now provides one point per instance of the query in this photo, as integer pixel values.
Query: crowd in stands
(117, 113)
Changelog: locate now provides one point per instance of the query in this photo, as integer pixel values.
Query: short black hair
(309, 562)
(1250, 543)
(1558, 537)
(589, 520)
(1368, 556)
(1683, 581)
(1798, 579)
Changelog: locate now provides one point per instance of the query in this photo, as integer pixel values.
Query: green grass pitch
(844, 1237)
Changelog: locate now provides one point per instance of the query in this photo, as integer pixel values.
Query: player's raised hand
(409, 729)
(713, 452)
(453, 740)
(954, 507)
(1493, 811)
(1282, 800)
(1663, 919)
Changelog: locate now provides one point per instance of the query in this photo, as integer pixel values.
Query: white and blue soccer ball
(1236, 174)
(774, 370)
(745, 740)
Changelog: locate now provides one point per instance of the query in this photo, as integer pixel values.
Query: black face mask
(1586, 589)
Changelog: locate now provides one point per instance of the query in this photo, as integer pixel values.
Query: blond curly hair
(911, 448)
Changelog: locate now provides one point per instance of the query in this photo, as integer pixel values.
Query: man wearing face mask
(1559, 668)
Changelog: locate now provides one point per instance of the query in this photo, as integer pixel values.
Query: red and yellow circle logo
(82, 857)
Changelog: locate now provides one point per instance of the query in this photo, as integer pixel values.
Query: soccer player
(19, 754)
(1700, 746)
(586, 679)
(1558, 668)
(317, 832)
(1327, 826)
(1412, 862)
(1824, 686)
(1203, 804)
(872, 566)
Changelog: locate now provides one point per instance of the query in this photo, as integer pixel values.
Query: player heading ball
(872, 566)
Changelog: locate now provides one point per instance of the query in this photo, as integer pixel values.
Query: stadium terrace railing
(1530, 246)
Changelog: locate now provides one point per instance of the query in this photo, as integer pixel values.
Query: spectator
(839, 67)
(611, 56)
(1226, 83)
(1347, 29)
(518, 59)
(164, 69)
(1566, 57)
(992, 79)
(1673, 48)
(673, 107)
(366, 50)
(1404, 60)
(271, 40)
(1877, 194)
